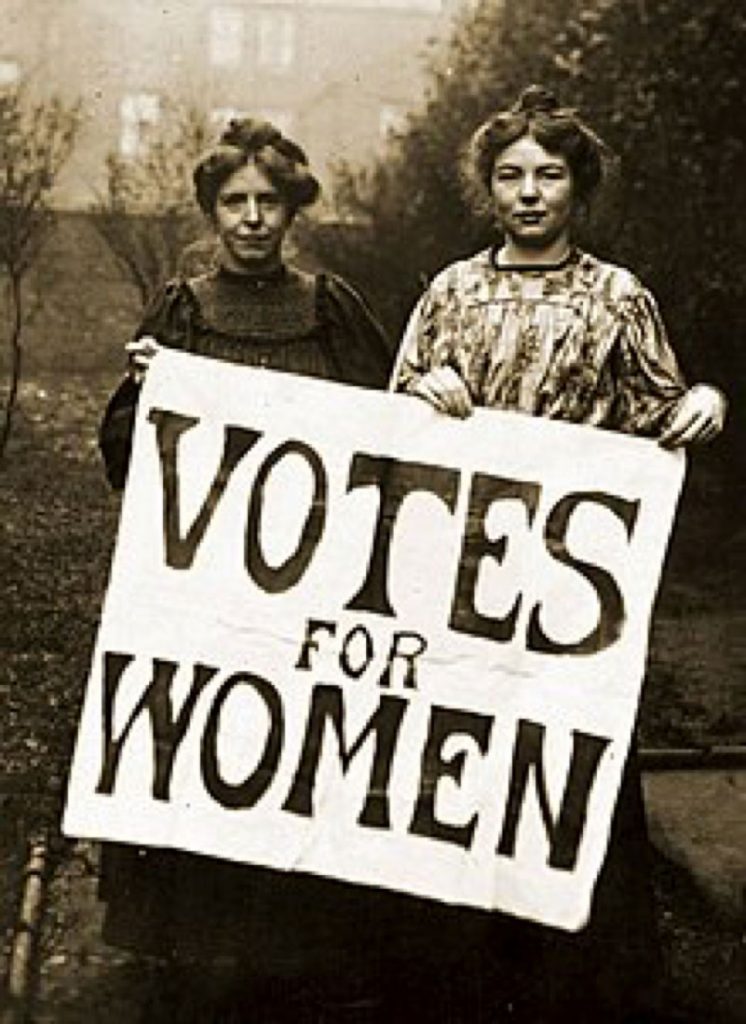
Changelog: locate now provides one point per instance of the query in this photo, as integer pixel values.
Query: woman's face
(251, 218)
(532, 194)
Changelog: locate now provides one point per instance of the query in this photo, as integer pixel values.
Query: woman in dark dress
(534, 325)
(237, 942)
(242, 943)
(253, 308)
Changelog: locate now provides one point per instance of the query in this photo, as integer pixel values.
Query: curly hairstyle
(560, 130)
(246, 139)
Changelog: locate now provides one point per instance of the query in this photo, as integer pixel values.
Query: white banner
(347, 635)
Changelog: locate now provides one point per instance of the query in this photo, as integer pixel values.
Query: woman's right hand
(141, 352)
(445, 390)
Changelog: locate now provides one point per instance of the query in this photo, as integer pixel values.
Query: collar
(275, 276)
(538, 268)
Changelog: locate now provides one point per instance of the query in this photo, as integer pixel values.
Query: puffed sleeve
(646, 374)
(408, 363)
(433, 334)
(358, 346)
(169, 315)
(166, 319)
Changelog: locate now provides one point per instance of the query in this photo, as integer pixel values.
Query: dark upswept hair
(246, 139)
(558, 129)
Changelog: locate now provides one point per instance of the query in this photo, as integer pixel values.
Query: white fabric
(214, 613)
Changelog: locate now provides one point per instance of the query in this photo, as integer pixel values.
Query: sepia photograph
(372, 489)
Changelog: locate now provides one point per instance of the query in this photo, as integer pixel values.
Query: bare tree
(36, 138)
(147, 215)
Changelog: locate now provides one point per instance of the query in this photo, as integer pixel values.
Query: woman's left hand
(699, 417)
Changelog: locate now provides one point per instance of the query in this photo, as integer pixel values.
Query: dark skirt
(399, 957)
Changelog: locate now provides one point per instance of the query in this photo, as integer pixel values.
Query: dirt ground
(81, 981)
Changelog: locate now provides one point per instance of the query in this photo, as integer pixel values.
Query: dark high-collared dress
(311, 324)
(284, 945)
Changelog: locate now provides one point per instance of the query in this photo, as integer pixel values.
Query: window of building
(431, 6)
(391, 119)
(139, 113)
(220, 116)
(227, 27)
(10, 72)
(275, 39)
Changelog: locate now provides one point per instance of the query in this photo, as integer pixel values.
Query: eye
(233, 199)
(270, 200)
(553, 173)
(506, 174)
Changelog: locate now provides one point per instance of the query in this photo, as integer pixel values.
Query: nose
(529, 189)
(252, 213)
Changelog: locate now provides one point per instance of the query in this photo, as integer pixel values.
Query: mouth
(529, 217)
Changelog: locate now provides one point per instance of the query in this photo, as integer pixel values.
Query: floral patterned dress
(582, 341)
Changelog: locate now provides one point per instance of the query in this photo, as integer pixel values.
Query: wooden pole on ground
(26, 938)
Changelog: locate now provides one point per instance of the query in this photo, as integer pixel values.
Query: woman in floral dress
(535, 325)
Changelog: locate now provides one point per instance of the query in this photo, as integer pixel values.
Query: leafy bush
(661, 82)
(409, 213)
(36, 139)
(147, 215)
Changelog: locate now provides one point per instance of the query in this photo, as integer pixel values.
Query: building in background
(337, 74)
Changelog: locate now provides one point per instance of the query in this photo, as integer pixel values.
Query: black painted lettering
(364, 656)
(181, 548)
(611, 603)
(395, 481)
(444, 723)
(384, 724)
(398, 652)
(310, 643)
(566, 830)
(247, 793)
(485, 491)
(283, 577)
(167, 731)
